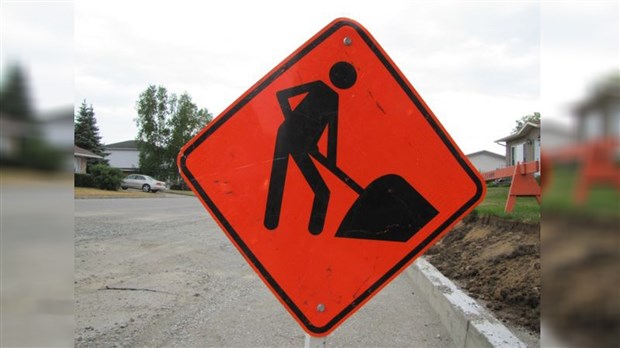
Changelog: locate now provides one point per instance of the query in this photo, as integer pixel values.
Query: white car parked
(143, 182)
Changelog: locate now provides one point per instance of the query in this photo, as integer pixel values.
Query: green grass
(526, 208)
(87, 192)
(602, 201)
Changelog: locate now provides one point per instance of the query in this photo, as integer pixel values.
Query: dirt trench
(497, 262)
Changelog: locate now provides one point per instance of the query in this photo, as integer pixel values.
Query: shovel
(388, 209)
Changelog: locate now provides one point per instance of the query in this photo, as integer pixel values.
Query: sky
(478, 65)
(39, 37)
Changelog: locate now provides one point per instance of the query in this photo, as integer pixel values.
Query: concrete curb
(469, 324)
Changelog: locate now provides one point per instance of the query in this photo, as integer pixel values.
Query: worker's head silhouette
(342, 75)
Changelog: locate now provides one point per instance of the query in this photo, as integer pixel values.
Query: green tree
(534, 118)
(86, 132)
(15, 95)
(185, 122)
(152, 107)
(165, 123)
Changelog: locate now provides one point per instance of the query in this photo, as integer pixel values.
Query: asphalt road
(36, 262)
(159, 272)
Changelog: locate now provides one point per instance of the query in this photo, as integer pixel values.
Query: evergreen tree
(86, 132)
(15, 96)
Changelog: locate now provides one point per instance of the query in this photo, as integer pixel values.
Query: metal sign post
(315, 342)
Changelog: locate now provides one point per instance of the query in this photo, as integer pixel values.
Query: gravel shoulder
(160, 273)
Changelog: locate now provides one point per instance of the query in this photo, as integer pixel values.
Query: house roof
(60, 115)
(604, 91)
(123, 145)
(488, 153)
(557, 128)
(80, 152)
(524, 130)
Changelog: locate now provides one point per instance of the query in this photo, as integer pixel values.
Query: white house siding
(485, 163)
(123, 159)
(59, 134)
(517, 153)
(555, 136)
(79, 164)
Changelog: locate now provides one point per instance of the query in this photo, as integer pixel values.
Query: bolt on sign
(330, 175)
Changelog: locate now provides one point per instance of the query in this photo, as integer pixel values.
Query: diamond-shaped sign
(331, 175)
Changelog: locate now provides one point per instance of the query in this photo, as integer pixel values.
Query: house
(80, 159)
(124, 156)
(522, 146)
(486, 161)
(557, 136)
(57, 128)
(12, 134)
(52, 134)
(598, 116)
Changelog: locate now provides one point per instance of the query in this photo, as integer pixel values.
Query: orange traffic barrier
(598, 167)
(523, 182)
(498, 173)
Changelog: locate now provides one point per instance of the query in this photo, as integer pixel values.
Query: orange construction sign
(331, 175)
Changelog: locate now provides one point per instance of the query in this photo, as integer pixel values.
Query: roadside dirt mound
(498, 263)
(581, 277)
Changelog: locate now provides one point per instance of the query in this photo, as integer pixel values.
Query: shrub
(84, 180)
(106, 177)
(37, 154)
(180, 187)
